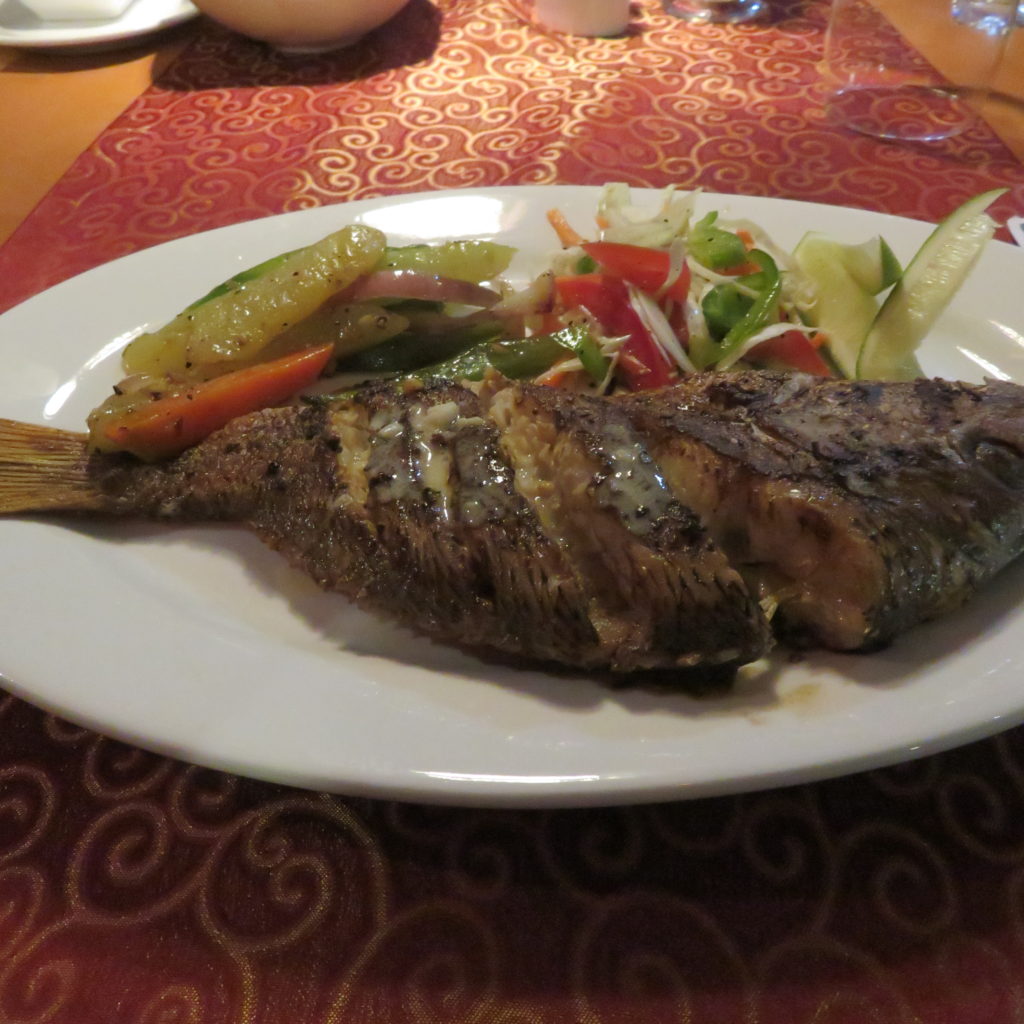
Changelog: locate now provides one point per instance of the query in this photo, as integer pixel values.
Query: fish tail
(43, 469)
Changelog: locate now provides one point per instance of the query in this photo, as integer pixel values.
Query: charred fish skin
(474, 527)
(866, 507)
(940, 475)
(460, 554)
(654, 580)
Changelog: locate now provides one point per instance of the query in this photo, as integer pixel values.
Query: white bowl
(302, 26)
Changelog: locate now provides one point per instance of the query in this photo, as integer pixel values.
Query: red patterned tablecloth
(463, 93)
(137, 889)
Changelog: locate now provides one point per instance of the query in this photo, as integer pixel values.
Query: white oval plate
(20, 27)
(201, 644)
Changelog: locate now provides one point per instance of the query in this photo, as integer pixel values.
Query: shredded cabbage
(621, 221)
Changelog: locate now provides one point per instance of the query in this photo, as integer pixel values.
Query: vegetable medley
(646, 298)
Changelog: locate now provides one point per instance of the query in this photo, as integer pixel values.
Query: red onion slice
(410, 284)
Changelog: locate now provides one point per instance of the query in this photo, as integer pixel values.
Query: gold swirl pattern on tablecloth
(466, 93)
(662, 952)
(175, 893)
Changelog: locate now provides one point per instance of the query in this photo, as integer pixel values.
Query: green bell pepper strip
(724, 307)
(715, 247)
(764, 310)
(520, 358)
(412, 350)
(469, 365)
(760, 313)
(517, 359)
(526, 358)
(580, 341)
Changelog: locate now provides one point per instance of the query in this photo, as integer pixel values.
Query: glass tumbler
(880, 85)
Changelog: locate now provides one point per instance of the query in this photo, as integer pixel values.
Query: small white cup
(583, 17)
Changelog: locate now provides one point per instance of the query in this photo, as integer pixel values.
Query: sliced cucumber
(872, 264)
(929, 282)
(845, 279)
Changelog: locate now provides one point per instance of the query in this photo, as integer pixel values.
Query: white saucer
(20, 27)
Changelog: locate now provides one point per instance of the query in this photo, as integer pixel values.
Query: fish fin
(43, 469)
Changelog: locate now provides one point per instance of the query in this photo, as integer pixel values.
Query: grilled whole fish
(669, 529)
(520, 519)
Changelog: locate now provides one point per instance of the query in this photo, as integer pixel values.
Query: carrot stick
(169, 425)
(740, 269)
(567, 234)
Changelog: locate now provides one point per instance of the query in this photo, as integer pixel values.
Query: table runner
(464, 93)
(134, 888)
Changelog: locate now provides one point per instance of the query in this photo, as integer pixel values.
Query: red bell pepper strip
(641, 363)
(167, 426)
(646, 269)
(794, 350)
